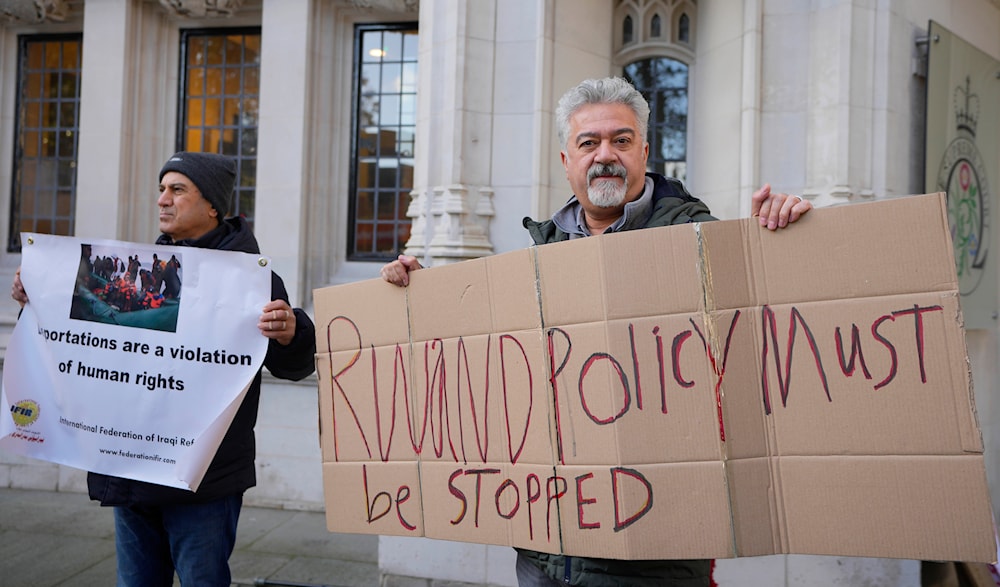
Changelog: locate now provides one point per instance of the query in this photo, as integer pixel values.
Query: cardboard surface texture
(697, 391)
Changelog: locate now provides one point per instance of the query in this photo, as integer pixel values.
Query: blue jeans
(193, 539)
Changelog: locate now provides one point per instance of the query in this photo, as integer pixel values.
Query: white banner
(131, 359)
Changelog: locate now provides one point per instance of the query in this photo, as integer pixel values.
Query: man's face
(605, 158)
(184, 213)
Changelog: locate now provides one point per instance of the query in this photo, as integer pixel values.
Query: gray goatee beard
(607, 193)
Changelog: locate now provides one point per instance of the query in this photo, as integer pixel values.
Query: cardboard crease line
(548, 372)
(712, 340)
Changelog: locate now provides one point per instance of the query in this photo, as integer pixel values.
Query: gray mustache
(599, 169)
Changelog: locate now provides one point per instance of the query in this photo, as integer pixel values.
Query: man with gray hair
(602, 127)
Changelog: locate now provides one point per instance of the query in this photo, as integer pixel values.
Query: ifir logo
(963, 176)
(25, 412)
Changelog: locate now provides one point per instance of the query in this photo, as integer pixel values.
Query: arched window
(656, 59)
(627, 36)
(664, 83)
(684, 29)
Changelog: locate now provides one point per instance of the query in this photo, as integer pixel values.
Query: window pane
(248, 142)
(213, 82)
(213, 49)
(32, 85)
(371, 49)
(251, 80)
(385, 118)
(366, 206)
(195, 113)
(49, 144)
(392, 44)
(232, 82)
(389, 110)
(410, 39)
(67, 114)
(248, 174)
(192, 141)
(67, 144)
(224, 69)
(53, 55)
(409, 81)
(196, 51)
(196, 82)
(48, 93)
(366, 177)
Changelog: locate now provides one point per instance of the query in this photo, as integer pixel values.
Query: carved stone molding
(450, 223)
(384, 5)
(202, 8)
(33, 11)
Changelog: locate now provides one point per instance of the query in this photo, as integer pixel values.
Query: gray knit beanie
(215, 176)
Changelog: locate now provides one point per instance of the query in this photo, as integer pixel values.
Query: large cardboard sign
(131, 359)
(698, 391)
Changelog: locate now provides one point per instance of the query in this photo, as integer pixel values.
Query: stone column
(841, 98)
(282, 140)
(104, 135)
(452, 201)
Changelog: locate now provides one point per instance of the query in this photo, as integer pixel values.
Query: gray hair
(610, 90)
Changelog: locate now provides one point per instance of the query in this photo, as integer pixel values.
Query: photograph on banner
(115, 286)
(122, 364)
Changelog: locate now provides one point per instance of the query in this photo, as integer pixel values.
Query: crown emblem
(966, 108)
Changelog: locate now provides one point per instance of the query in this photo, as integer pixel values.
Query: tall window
(664, 83)
(656, 59)
(385, 112)
(220, 72)
(46, 128)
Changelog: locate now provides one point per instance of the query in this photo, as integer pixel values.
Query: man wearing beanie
(160, 529)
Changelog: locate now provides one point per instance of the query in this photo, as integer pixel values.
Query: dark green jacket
(672, 204)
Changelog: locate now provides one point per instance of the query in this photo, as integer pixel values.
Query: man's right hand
(398, 271)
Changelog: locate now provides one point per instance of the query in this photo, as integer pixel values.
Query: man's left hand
(778, 210)
(277, 321)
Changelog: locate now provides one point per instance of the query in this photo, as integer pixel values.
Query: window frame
(16, 199)
(352, 254)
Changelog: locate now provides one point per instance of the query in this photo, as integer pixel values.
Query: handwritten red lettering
(508, 484)
(626, 394)
(719, 370)
(856, 352)
(335, 380)
(510, 340)
(582, 501)
(534, 493)
(616, 491)
(894, 359)
(784, 382)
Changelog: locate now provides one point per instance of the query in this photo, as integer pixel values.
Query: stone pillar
(104, 137)
(452, 201)
(281, 146)
(841, 99)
